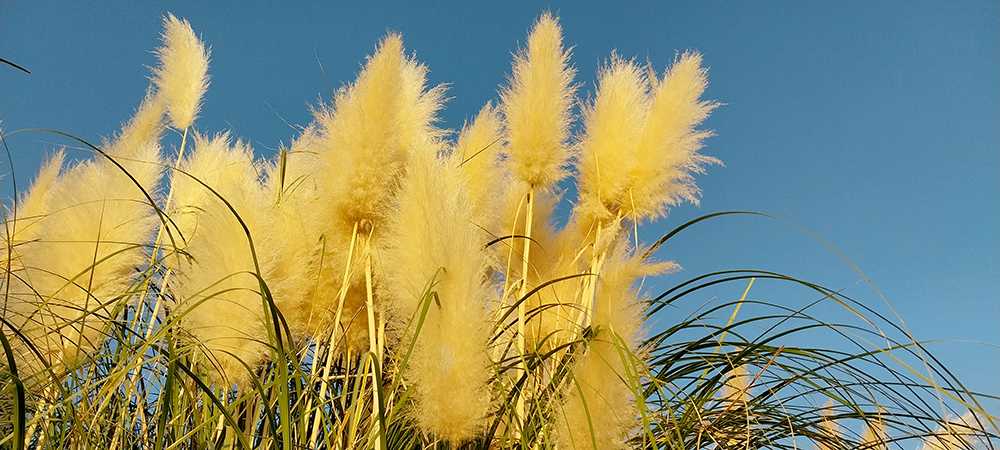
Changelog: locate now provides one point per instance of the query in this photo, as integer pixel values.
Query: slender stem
(42, 405)
(332, 344)
(525, 263)
(596, 261)
(166, 277)
(369, 300)
(159, 241)
(222, 417)
(374, 344)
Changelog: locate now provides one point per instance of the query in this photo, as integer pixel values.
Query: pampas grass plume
(87, 225)
(600, 400)
(953, 435)
(478, 151)
(31, 208)
(182, 77)
(364, 136)
(219, 299)
(433, 237)
(737, 385)
(873, 435)
(830, 428)
(613, 123)
(536, 106)
(667, 151)
(362, 142)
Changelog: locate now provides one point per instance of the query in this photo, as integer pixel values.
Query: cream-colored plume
(830, 429)
(478, 151)
(77, 242)
(737, 385)
(218, 296)
(433, 239)
(873, 435)
(552, 256)
(600, 400)
(613, 123)
(953, 435)
(667, 150)
(361, 144)
(640, 145)
(290, 196)
(536, 107)
(364, 137)
(182, 77)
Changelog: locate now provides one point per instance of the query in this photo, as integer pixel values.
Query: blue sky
(874, 125)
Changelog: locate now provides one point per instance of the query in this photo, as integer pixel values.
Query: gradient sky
(875, 126)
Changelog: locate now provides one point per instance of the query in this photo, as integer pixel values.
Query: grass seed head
(219, 298)
(433, 237)
(182, 76)
(613, 122)
(537, 106)
(667, 150)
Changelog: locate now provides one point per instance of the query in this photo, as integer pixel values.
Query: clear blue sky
(875, 126)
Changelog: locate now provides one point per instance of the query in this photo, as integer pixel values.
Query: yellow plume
(218, 295)
(433, 238)
(182, 77)
(536, 106)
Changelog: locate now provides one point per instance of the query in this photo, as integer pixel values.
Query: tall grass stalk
(380, 286)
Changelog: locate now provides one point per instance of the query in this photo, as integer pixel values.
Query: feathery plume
(737, 385)
(433, 238)
(21, 305)
(182, 77)
(552, 256)
(598, 407)
(365, 134)
(640, 145)
(219, 299)
(829, 428)
(536, 106)
(873, 435)
(954, 434)
(290, 195)
(31, 209)
(361, 143)
(478, 151)
(543, 232)
(667, 149)
(613, 123)
(73, 261)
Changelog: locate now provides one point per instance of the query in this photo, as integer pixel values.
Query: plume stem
(159, 241)
(596, 261)
(521, 301)
(331, 345)
(166, 276)
(374, 344)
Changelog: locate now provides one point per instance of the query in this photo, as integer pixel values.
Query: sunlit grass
(378, 286)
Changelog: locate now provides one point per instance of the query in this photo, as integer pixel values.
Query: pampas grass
(956, 433)
(536, 106)
(437, 268)
(640, 145)
(380, 285)
(360, 145)
(218, 299)
(667, 150)
(82, 234)
(477, 151)
(614, 122)
(182, 77)
(599, 406)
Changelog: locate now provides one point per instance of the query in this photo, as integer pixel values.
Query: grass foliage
(379, 285)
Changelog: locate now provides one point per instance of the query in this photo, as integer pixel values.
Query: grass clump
(378, 286)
